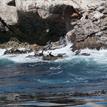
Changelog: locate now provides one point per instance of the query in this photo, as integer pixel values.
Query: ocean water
(75, 81)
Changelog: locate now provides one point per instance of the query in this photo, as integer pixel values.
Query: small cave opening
(32, 28)
(11, 3)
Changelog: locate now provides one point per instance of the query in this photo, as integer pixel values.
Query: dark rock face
(39, 30)
(64, 11)
(5, 34)
(32, 28)
(4, 27)
(11, 3)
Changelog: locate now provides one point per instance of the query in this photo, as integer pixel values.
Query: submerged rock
(85, 54)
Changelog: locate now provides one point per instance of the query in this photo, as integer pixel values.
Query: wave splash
(84, 54)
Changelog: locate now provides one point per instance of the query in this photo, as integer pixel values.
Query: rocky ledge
(36, 22)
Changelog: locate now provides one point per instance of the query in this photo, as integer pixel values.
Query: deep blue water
(53, 78)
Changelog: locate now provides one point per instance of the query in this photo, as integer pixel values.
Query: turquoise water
(56, 83)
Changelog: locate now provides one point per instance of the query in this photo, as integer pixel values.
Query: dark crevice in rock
(33, 27)
(8, 31)
(64, 10)
(40, 31)
(4, 37)
(5, 25)
(11, 3)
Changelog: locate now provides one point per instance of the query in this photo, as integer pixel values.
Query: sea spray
(2, 51)
(93, 54)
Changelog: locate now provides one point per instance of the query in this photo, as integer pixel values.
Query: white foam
(2, 51)
(98, 56)
(19, 58)
(95, 55)
(65, 50)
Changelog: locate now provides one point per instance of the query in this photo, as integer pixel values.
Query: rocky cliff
(84, 22)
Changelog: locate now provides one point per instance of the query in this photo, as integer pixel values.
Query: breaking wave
(85, 54)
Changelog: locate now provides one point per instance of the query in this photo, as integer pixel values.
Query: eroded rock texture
(37, 24)
(91, 30)
(39, 21)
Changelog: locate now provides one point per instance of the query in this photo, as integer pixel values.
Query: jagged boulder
(90, 42)
(89, 31)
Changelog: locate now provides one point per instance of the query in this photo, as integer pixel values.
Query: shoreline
(63, 54)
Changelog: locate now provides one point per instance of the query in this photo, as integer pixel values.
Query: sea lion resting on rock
(78, 52)
(52, 57)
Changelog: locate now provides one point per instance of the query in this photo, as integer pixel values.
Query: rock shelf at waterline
(63, 54)
(53, 51)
